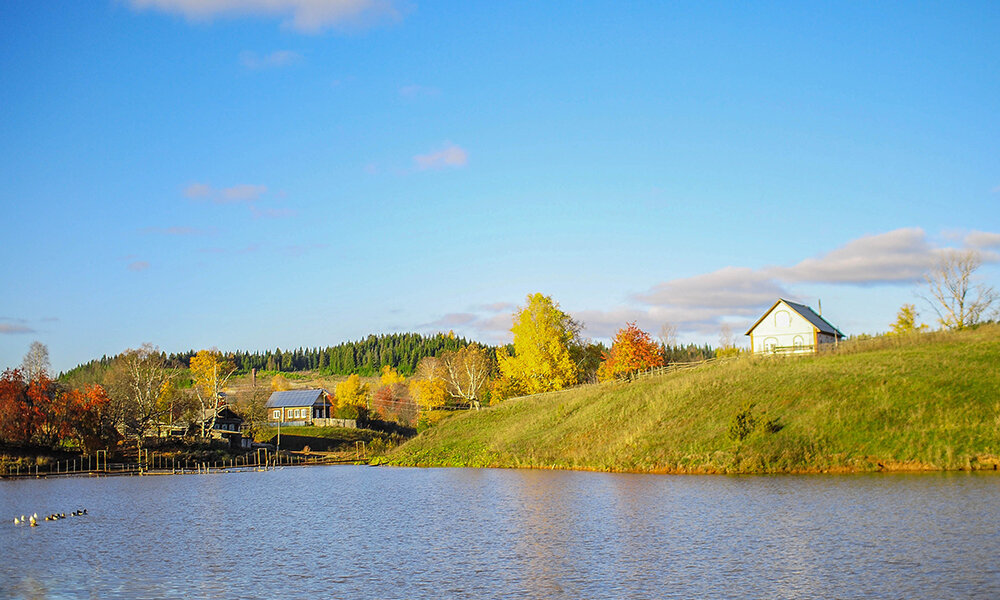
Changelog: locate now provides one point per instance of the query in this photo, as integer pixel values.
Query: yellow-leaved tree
(210, 371)
(543, 360)
(906, 321)
(280, 384)
(427, 387)
(352, 392)
(390, 376)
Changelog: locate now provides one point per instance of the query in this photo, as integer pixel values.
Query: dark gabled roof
(807, 313)
(296, 398)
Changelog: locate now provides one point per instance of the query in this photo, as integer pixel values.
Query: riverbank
(915, 403)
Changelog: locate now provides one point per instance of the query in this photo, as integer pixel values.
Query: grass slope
(924, 402)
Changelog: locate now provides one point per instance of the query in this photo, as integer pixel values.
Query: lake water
(366, 532)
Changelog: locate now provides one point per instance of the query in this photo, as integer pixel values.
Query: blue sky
(250, 174)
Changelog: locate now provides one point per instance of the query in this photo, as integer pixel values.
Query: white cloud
(451, 320)
(198, 190)
(242, 193)
(308, 16)
(727, 288)
(280, 58)
(14, 329)
(496, 307)
(899, 256)
(982, 239)
(450, 156)
(138, 265)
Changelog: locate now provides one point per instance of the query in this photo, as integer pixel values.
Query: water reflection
(349, 532)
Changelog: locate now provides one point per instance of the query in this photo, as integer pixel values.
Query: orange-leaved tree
(632, 350)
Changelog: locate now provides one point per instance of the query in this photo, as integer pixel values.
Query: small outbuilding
(789, 327)
(298, 407)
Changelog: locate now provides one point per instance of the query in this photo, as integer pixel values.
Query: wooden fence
(637, 376)
(97, 465)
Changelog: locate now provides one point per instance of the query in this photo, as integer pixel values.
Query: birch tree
(137, 380)
(211, 371)
(465, 373)
(952, 292)
(36, 361)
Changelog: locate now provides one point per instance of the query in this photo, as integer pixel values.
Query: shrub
(745, 422)
(742, 424)
(346, 411)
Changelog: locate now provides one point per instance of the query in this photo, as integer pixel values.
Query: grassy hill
(924, 402)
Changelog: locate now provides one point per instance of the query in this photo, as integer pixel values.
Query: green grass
(924, 402)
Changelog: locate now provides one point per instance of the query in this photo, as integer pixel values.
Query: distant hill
(930, 401)
(402, 351)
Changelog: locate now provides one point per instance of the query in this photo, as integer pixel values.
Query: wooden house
(298, 407)
(228, 425)
(789, 327)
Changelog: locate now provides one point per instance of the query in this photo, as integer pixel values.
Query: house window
(276, 414)
(782, 320)
(770, 344)
(798, 342)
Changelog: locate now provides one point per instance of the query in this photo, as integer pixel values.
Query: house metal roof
(296, 398)
(807, 313)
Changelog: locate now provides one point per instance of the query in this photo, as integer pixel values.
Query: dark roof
(296, 398)
(206, 414)
(807, 313)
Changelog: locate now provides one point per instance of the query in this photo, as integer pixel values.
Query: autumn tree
(251, 405)
(906, 321)
(392, 402)
(352, 392)
(953, 293)
(36, 361)
(466, 372)
(427, 388)
(588, 356)
(389, 376)
(50, 415)
(668, 335)
(137, 380)
(632, 350)
(17, 415)
(280, 384)
(542, 360)
(88, 426)
(210, 371)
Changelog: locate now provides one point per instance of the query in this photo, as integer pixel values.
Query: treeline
(688, 353)
(401, 351)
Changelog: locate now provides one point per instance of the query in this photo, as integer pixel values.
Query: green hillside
(924, 402)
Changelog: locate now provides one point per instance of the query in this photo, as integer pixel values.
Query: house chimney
(820, 307)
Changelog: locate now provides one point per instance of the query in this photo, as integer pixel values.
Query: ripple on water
(474, 533)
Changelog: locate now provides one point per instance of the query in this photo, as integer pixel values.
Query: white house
(791, 327)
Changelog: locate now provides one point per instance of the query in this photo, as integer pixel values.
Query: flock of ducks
(33, 519)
